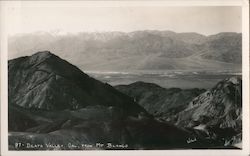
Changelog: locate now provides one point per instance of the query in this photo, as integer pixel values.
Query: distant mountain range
(53, 102)
(139, 50)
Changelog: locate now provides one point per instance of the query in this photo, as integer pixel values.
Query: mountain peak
(228, 83)
(45, 81)
(235, 80)
(40, 56)
(145, 84)
(43, 53)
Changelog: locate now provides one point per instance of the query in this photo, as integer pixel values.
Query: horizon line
(65, 33)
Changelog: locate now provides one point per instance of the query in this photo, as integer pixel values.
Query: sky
(205, 20)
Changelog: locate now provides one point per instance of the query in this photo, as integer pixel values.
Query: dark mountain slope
(53, 102)
(214, 114)
(157, 100)
(47, 82)
(101, 124)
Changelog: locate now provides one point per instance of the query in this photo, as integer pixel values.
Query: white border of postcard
(245, 75)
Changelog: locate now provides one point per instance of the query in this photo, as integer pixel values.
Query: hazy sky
(204, 20)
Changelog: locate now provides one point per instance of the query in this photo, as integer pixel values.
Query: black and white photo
(84, 77)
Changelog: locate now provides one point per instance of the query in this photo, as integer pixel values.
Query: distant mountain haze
(139, 50)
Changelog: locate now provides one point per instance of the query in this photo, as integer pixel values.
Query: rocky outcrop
(217, 111)
(215, 114)
(221, 106)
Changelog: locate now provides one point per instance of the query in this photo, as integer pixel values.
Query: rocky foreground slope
(216, 112)
(54, 105)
